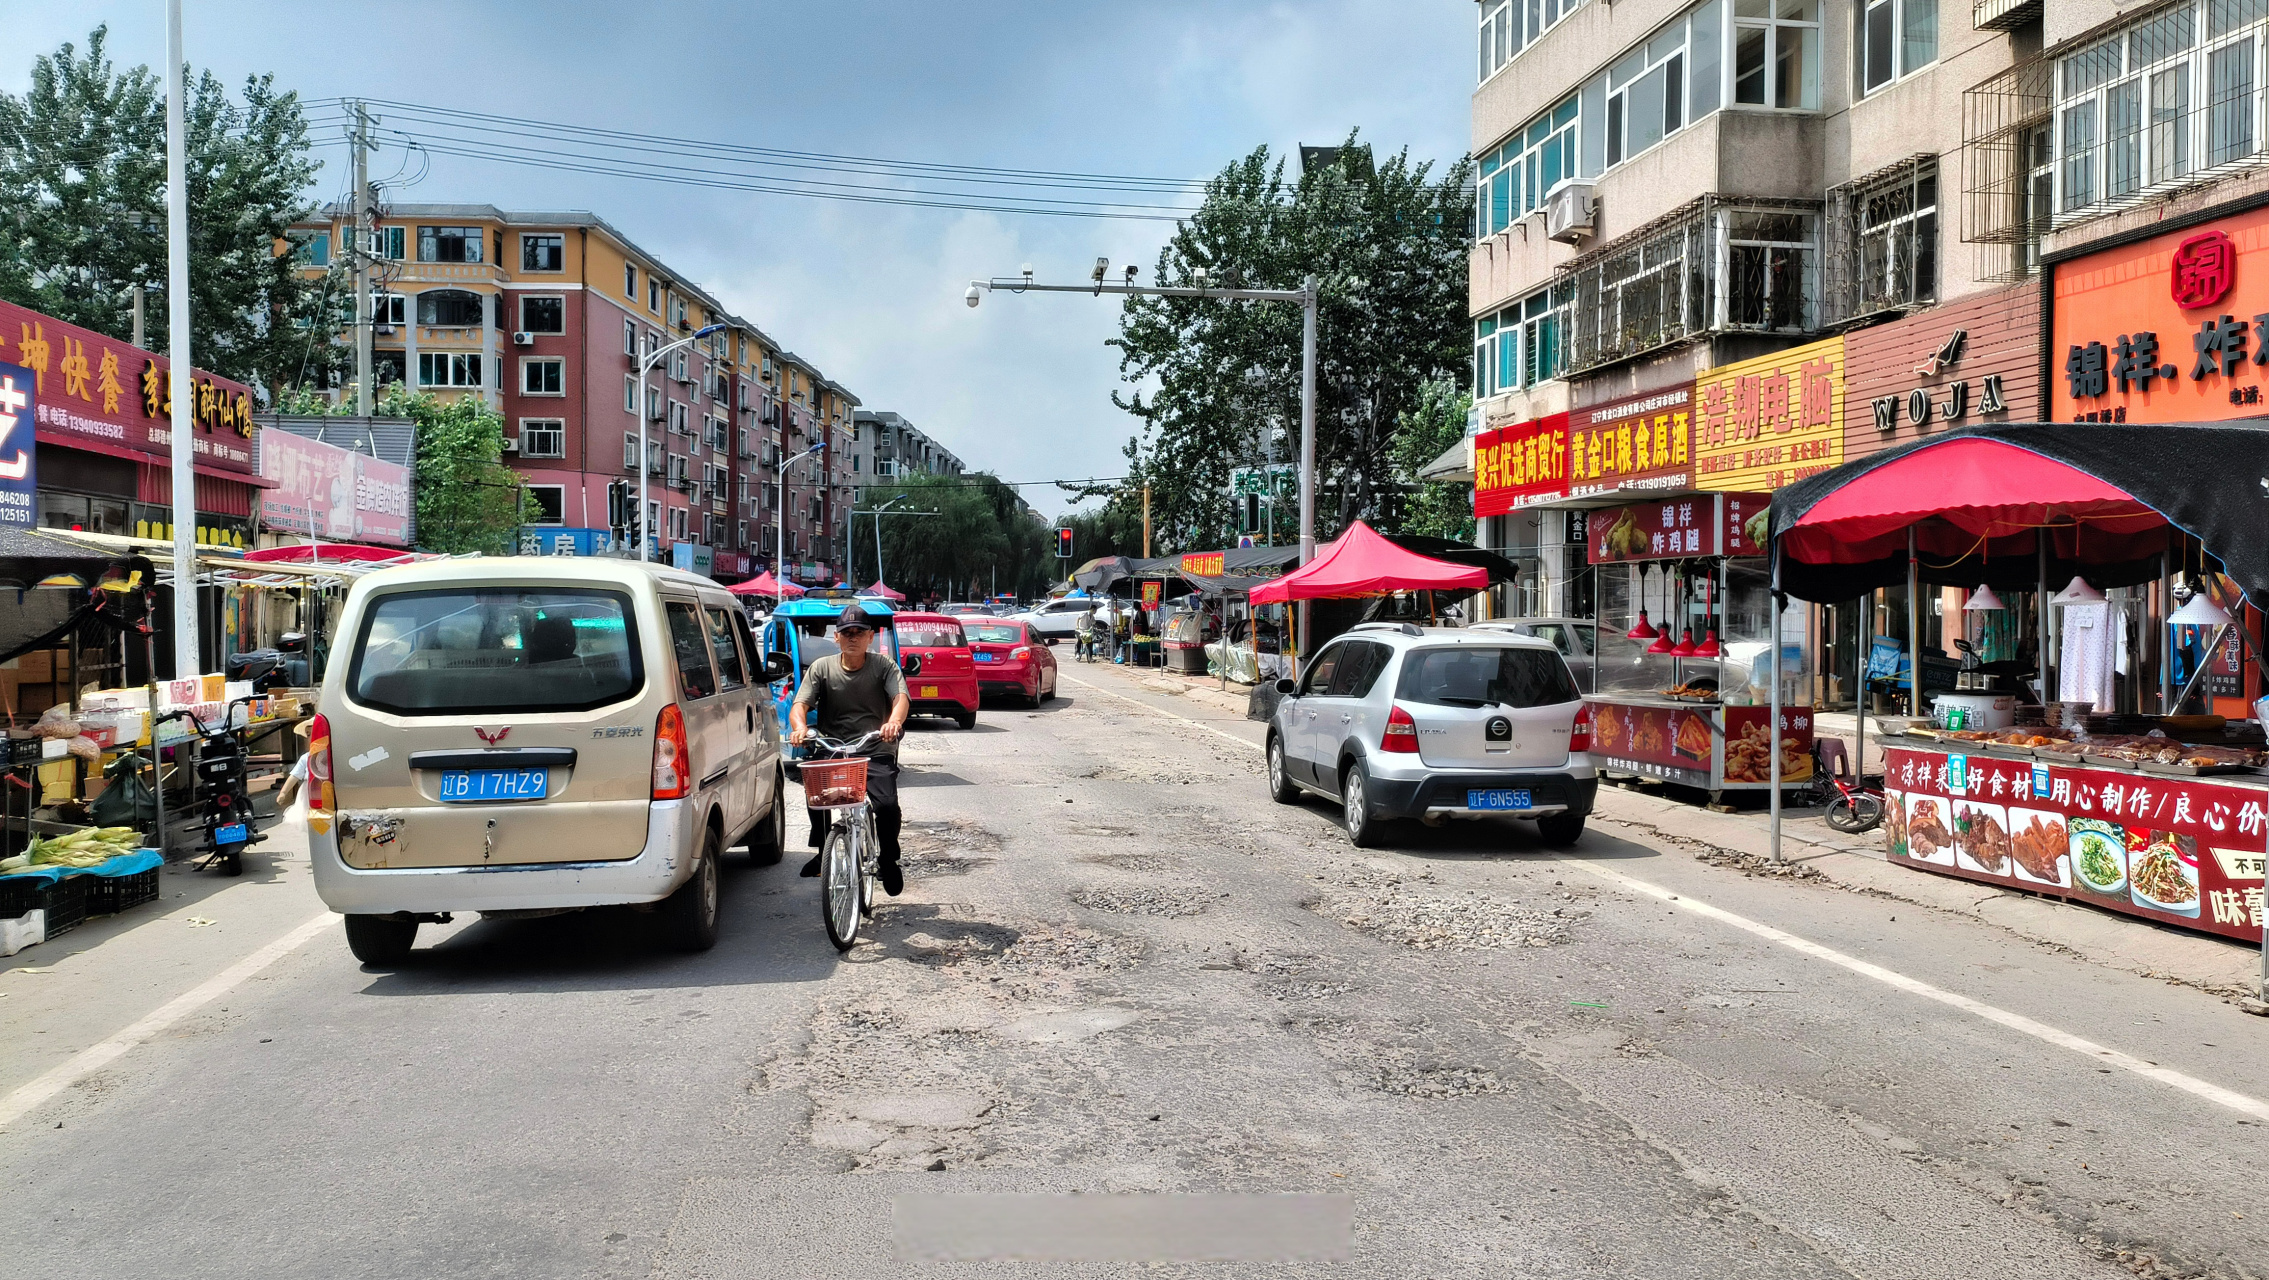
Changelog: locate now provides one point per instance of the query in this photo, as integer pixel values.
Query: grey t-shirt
(852, 703)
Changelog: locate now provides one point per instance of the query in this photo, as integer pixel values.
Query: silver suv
(1398, 721)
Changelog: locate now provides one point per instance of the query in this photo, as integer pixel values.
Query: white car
(1393, 720)
(1057, 619)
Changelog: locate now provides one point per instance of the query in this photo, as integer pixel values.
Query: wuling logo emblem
(492, 736)
(2205, 270)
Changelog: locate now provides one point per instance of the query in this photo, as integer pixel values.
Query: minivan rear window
(496, 650)
(928, 635)
(1473, 676)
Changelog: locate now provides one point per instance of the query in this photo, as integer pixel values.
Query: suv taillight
(1401, 734)
(319, 764)
(672, 761)
(1579, 737)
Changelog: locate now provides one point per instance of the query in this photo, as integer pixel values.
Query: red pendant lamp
(1709, 648)
(1644, 631)
(1685, 646)
(1662, 643)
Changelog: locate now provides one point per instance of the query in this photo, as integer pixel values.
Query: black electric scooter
(220, 791)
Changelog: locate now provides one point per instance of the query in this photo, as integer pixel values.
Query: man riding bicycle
(857, 692)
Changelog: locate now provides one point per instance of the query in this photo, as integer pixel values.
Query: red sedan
(941, 676)
(1012, 659)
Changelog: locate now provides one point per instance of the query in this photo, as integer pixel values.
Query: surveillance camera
(1131, 274)
(1027, 271)
(1101, 265)
(1197, 273)
(972, 296)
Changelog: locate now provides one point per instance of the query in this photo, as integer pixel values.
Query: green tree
(1388, 241)
(468, 500)
(960, 535)
(1424, 432)
(83, 201)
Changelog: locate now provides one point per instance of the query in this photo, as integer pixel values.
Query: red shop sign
(1520, 465)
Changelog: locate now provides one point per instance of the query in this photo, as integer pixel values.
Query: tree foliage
(83, 212)
(1425, 432)
(468, 500)
(1388, 242)
(974, 526)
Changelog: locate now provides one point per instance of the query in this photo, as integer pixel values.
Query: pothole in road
(1297, 989)
(1142, 901)
(1429, 920)
(1134, 861)
(944, 848)
(1166, 777)
(1435, 1082)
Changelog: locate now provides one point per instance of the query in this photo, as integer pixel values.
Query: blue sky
(872, 294)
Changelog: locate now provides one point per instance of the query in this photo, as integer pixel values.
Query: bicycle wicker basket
(835, 784)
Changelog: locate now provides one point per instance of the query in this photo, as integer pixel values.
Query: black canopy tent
(2023, 505)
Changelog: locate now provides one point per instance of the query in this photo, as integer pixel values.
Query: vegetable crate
(109, 895)
(64, 900)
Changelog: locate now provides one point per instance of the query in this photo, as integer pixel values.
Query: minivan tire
(1280, 785)
(1363, 827)
(770, 838)
(689, 916)
(381, 940)
(1561, 830)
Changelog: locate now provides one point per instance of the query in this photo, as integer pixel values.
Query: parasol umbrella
(764, 585)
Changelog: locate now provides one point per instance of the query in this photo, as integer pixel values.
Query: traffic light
(1251, 505)
(633, 524)
(1063, 544)
(618, 503)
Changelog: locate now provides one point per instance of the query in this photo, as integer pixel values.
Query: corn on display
(85, 847)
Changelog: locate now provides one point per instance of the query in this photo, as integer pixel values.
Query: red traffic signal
(1063, 544)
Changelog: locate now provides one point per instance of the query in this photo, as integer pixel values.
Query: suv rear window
(1473, 676)
(929, 635)
(495, 650)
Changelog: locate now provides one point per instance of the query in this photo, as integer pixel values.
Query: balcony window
(1776, 53)
(449, 369)
(311, 248)
(451, 309)
(1710, 266)
(1896, 38)
(388, 243)
(1510, 26)
(1883, 233)
(1522, 344)
(1516, 176)
(450, 244)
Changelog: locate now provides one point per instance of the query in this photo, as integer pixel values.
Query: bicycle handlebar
(853, 747)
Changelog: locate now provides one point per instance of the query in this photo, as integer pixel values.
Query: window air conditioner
(511, 445)
(523, 338)
(1570, 212)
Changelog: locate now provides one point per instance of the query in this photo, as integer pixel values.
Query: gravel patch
(1135, 861)
(1423, 917)
(1142, 901)
(1435, 1082)
(1301, 990)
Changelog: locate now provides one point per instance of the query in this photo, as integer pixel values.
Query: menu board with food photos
(1704, 745)
(2185, 851)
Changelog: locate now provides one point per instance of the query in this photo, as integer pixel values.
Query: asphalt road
(1121, 969)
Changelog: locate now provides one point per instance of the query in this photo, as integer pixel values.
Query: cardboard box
(212, 688)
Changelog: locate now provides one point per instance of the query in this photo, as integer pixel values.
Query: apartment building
(889, 447)
(1720, 246)
(549, 316)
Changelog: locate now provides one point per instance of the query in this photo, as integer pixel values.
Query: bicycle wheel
(839, 886)
(1856, 813)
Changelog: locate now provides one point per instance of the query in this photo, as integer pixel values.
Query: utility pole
(361, 254)
(139, 343)
(181, 387)
(1146, 522)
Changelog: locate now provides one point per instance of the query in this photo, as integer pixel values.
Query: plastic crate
(109, 895)
(835, 784)
(66, 904)
(19, 894)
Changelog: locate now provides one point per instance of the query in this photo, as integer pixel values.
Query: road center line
(95, 1057)
(1113, 693)
(1915, 986)
(2089, 1049)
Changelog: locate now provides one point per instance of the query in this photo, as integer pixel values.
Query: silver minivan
(531, 735)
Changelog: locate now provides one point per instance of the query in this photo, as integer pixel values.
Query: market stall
(1359, 564)
(1683, 646)
(2155, 814)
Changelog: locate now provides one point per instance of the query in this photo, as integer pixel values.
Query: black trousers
(882, 796)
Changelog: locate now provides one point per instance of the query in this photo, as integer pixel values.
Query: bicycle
(850, 855)
(1853, 808)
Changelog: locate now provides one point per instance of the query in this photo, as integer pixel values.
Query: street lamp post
(780, 512)
(645, 413)
(1306, 295)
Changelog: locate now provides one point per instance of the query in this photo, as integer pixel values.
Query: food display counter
(2173, 842)
(1697, 743)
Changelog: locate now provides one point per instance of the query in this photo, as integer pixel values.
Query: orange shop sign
(1764, 423)
(1520, 465)
(108, 396)
(2168, 329)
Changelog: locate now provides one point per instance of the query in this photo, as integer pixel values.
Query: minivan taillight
(1579, 737)
(672, 762)
(1401, 734)
(319, 764)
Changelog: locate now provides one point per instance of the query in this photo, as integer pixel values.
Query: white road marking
(95, 1057)
(1915, 986)
(2089, 1049)
(1242, 742)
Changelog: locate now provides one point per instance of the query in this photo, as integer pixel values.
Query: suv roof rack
(1406, 628)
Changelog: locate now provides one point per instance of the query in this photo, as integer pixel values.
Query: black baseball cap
(853, 618)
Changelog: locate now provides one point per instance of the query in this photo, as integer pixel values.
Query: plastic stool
(1833, 757)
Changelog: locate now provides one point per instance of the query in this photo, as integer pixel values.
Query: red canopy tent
(338, 552)
(764, 585)
(1361, 563)
(881, 590)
